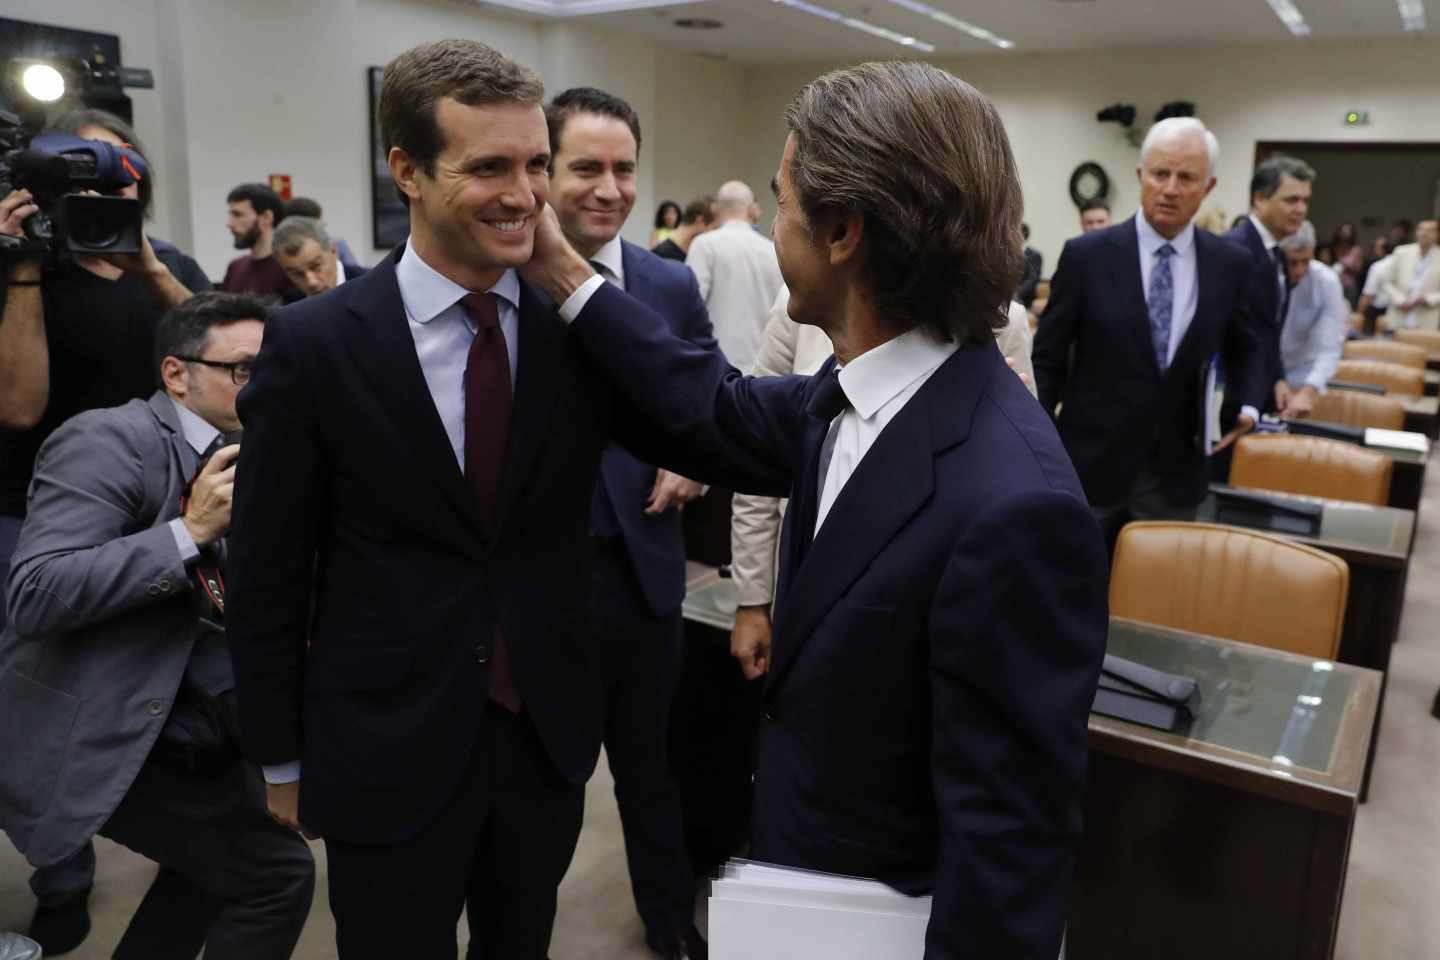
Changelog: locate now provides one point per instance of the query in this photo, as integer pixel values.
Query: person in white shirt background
(1412, 282)
(1314, 333)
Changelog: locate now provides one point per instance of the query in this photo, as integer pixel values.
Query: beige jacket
(1401, 284)
(787, 347)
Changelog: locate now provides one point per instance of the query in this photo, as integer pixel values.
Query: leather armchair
(1393, 377)
(1390, 351)
(1356, 409)
(1314, 466)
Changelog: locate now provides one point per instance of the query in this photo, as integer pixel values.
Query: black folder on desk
(1356, 386)
(1140, 694)
(1265, 511)
(1331, 431)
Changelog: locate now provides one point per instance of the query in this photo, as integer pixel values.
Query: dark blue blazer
(936, 649)
(655, 544)
(365, 588)
(1095, 355)
(1265, 298)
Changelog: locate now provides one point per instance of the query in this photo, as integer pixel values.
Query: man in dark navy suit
(1137, 314)
(638, 580)
(410, 563)
(940, 615)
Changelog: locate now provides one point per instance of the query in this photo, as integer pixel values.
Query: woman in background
(667, 218)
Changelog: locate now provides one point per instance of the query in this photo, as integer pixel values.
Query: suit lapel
(384, 349)
(541, 334)
(1205, 305)
(893, 481)
(805, 496)
(1126, 278)
(164, 409)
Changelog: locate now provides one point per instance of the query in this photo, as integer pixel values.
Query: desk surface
(1269, 722)
(1374, 535)
(1425, 406)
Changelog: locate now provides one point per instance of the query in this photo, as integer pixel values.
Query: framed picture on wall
(390, 221)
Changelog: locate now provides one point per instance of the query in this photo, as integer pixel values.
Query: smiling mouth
(508, 226)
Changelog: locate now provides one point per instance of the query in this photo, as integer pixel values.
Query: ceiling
(763, 31)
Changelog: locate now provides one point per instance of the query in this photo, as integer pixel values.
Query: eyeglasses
(239, 370)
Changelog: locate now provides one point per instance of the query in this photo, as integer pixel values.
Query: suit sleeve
(1018, 631)
(279, 480)
(77, 562)
(696, 324)
(697, 415)
(1057, 330)
(1250, 349)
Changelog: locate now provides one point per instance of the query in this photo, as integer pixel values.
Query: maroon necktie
(487, 425)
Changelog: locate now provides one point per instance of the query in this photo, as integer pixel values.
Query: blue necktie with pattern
(1161, 301)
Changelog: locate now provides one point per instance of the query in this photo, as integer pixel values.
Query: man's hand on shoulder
(554, 266)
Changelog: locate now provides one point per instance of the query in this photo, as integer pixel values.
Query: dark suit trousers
(499, 848)
(219, 852)
(640, 656)
(1146, 502)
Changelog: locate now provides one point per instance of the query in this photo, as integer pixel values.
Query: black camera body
(69, 178)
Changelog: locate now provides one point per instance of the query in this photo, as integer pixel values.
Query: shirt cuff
(282, 772)
(183, 541)
(1251, 412)
(571, 308)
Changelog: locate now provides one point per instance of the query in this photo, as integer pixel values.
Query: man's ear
(404, 170)
(172, 375)
(844, 236)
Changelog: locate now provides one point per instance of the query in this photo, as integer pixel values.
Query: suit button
(153, 590)
(155, 707)
(482, 653)
(165, 586)
(769, 716)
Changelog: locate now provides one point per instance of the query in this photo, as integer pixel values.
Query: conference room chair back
(1393, 377)
(1356, 409)
(1429, 339)
(1405, 354)
(1233, 583)
(1313, 466)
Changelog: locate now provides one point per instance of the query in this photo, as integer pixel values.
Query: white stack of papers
(763, 912)
(1397, 440)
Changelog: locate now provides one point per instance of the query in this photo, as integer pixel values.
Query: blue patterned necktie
(1161, 301)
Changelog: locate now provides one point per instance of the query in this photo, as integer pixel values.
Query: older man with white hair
(1314, 333)
(1137, 311)
(738, 273)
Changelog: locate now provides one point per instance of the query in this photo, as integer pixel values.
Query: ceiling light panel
(1412, 15)
(1290, 16)
(965, 26)
(825, 13)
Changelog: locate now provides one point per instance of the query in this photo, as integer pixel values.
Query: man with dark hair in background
(940, 619)
(638, 579)
(76, 334)
(1094, 215)
(697, 217)
(254, 212)
(115, 682)
(1034, 269)
(308, 207)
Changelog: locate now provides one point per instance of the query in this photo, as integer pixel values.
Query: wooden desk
(1232, 838)
(1422, 414)
(1375, 542)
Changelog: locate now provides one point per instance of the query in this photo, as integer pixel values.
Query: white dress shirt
(1314, 333)
(739, 278)
(1182, 271)
(878, 384)
(1270, 241)
(609, 261)
(442, 332)
(1375, 283)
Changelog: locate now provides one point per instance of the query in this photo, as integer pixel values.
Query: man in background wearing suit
(1136, 313)
(638, 577)
(1279, 202)
(309, 256)
(1412, 281)
(116, 689)
(940, 618)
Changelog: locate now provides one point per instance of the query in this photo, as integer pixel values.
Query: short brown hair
(465, 70)
(701, 208)
(924, 158)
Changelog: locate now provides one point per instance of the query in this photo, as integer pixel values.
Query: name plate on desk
(1263, 511)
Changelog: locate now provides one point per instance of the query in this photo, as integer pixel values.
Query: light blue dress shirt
(1182, 270)
(1314, 333)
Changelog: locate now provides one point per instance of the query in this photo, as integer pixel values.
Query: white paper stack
(763, 912)
(1397, 440)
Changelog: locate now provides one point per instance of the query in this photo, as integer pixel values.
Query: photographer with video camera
(76, 334)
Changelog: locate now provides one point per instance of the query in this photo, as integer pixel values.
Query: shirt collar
(611, 257)
(1266, 237)
(339, 271)
(199, 432)
(427, 293)
(880, 374)
(1150, 239)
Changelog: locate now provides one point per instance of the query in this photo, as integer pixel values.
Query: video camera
(58, 170)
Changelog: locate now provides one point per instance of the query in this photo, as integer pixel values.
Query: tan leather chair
(1429, 339)
(1405, 354)
(1314, 466)
(1232, 583)
(1356, 409)
(1393, 377)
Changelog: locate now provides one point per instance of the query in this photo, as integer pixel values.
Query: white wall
(700, 140)
(1049, 101)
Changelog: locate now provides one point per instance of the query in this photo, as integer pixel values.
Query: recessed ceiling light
(1412, 15)
(964, 26)
(825, 13)
(1290, 16)
(697, 23)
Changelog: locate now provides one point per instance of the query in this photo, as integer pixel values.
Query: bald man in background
(738, 274)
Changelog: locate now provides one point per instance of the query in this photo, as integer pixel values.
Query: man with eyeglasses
(116, 689)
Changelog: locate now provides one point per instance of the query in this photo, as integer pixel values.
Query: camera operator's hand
(207, 515)
(14, 209)
(143, 264)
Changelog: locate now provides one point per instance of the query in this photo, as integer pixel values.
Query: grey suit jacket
(101, 623)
